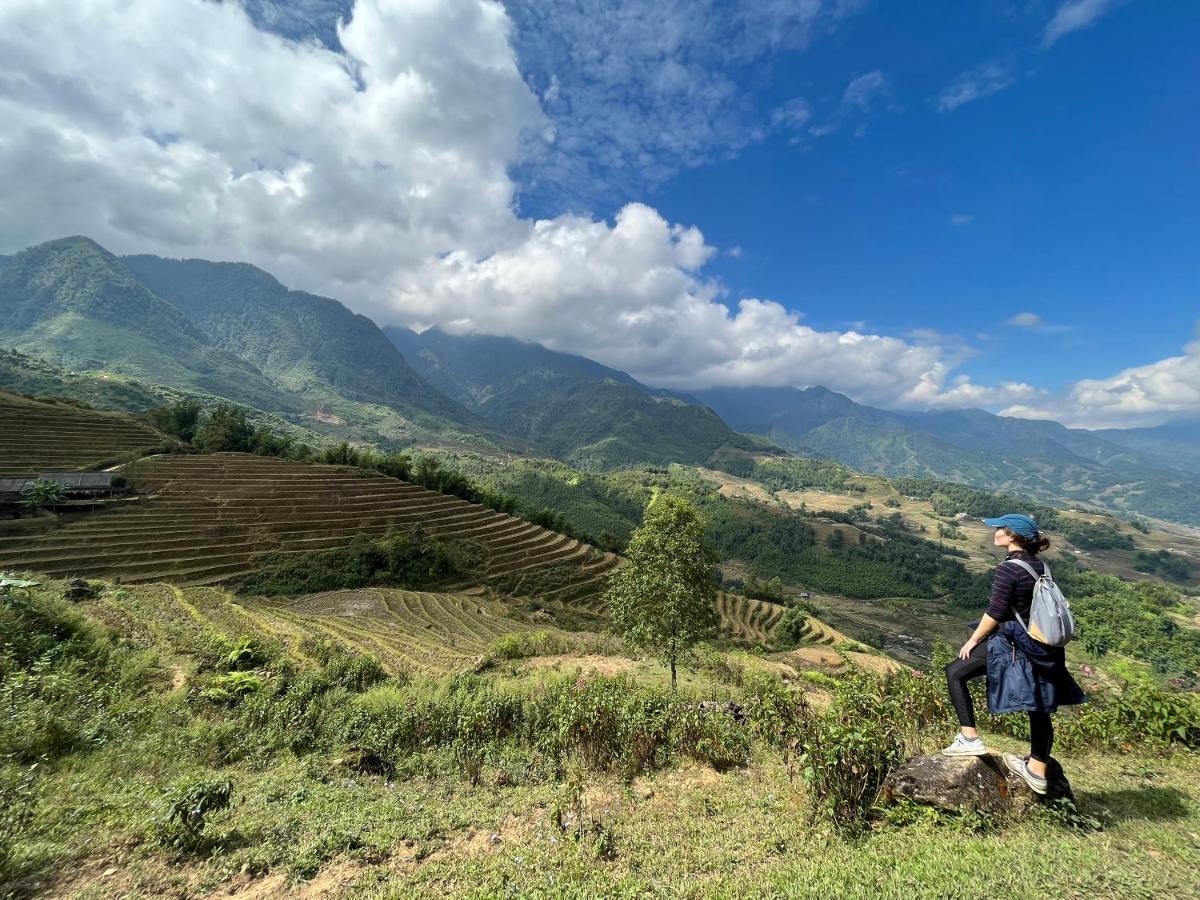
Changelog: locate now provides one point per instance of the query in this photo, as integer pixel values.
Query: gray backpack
(1050, 618)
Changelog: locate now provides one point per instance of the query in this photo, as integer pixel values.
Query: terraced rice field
(206, 519)
(434, 633)
(38, 437)
(747, 620)
(817, 632)
(406, 630)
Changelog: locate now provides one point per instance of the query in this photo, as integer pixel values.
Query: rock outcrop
(975, 783)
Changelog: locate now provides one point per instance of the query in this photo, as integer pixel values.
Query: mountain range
(230, 330)
(577, 409)
(1148, 471)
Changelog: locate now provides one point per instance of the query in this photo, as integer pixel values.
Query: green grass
(687, 831)
(497, 788)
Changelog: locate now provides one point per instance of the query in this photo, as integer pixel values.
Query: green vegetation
(948, 499)
(41, 493)
(1094, 536)
(180, 418)
(785, 474)
(76, 305)
(573, 408)
(770, 589)
(662, 600)
(1116, 616)
(311, 348)
(332, 760)
(792, 631)
(1165, 563)
(410, 559)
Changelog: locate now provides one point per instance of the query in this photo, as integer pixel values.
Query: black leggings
(959, 672)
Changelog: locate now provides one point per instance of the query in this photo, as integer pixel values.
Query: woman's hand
(965, 651)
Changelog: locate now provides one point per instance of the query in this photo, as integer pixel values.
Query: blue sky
(922, 205)
(1081, 178)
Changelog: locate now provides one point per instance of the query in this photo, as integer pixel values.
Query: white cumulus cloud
(633, 295)
(1138, 396)
(181, 128)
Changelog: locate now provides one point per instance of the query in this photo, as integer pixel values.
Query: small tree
(42, 493)
(179, 418)
(663, 599)
(225, 429)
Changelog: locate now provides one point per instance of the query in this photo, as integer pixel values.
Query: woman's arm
(985, 627)
(999, 607)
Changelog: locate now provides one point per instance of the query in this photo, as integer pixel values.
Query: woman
(1050, 685)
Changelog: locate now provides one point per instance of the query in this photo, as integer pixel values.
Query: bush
(790, 631)
(231, 688)
(1140, 715)
(42, 493)
(186, 811)
(179, 419)
(402, 559)
(850, 748)
(777, 714)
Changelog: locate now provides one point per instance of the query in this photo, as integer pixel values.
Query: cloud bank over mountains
(380, 172)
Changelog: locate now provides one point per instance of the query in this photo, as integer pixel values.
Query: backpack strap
(1027, 567)
(1032, 571)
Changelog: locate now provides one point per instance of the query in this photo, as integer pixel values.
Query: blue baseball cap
(1021, 524)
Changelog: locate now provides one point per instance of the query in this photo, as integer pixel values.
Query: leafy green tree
(662, 600)
(42, 493)
(225, 429)
(180, 418)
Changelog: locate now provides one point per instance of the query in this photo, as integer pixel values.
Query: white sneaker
(1016, 765)
(965, 746)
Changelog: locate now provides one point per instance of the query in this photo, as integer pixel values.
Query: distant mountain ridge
(1131, 472)
(576, 408)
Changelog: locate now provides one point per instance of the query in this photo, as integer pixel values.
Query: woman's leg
(958, 673)
(1041, 739)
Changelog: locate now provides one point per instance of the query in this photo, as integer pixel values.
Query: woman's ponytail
(1034, 546)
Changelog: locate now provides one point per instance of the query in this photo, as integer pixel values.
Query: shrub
(186, 811)
(179, 419)
(790, 631)
(42, 493)
(526, 644)
(404, 559)
(1139, 715)
(231, 688)
(849, 750)
(777, 714)
(711, 736)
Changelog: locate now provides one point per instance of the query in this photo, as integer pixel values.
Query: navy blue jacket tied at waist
(1024, 675)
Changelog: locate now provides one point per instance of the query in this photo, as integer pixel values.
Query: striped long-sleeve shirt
(1012, 588)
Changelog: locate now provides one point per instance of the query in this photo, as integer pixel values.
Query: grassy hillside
(308, 345)
(105, 390)
(76, 305)
(189, 743)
